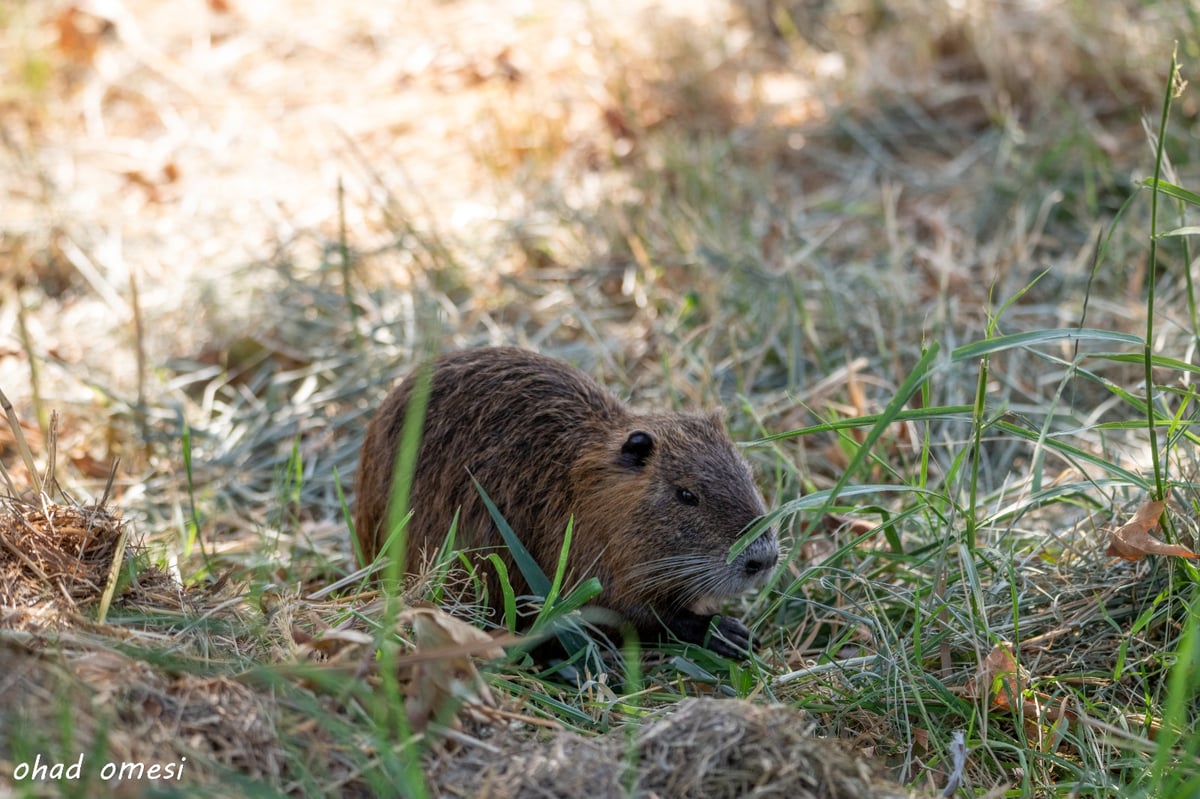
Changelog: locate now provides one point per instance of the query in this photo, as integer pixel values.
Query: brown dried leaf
(80, 33)
(435, 629)
(839, 522)
(1006, 682)
(999, 676)
(329, 642)
(1132, 541)
(438, 681)
(855, 393)
(816, 549)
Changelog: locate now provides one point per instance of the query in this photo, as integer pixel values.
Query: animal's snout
(763, 564)
(760, 557)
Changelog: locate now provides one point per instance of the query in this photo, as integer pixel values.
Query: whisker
(674, 568)
(690, 578)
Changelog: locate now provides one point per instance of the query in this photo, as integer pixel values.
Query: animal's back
(511, 419)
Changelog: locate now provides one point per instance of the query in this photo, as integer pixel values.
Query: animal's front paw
(730, 638)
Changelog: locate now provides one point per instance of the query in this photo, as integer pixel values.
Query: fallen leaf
(443, 674)
(999, 676)
(857, 397)
(329, 642)
(434, 628)
(1132, 541)
(80, 33)
(1006, 682)
(838, 522)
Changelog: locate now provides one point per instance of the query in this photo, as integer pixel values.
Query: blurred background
(227, 226)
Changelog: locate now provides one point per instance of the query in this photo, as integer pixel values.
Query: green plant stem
(1159, 487)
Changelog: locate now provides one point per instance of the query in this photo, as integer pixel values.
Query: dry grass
(698, 748)
(226, 232)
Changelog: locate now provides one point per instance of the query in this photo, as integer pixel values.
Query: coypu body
(657, 498)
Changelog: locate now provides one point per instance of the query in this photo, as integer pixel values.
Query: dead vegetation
(697, 748)
(61, 563)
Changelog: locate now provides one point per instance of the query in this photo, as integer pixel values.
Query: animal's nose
(761, 562)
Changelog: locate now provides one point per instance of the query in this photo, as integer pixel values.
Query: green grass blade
(445, 560)
(1173, 85)
(937, 413)
(1170, 189)
(1186, 230)
(193, 521)
(553, 615)
(1075, 452)
(528, 566)
(904, 393)
(1157, 361)
(1182, 685)
(583, 593)
(396, 545)
(509, 597)
(551, 596)
(1016, 340)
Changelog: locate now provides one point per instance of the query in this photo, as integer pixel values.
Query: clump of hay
(54, 552)
(52, 556)
(56, 556)
(709, 748)
(61, 562)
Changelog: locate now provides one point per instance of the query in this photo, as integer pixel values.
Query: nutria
(657, 498)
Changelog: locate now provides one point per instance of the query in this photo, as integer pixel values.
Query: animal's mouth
(710, 603)
(751, 569)
(707, 606)
(702, 582)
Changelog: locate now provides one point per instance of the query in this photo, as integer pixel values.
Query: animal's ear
(637, 449)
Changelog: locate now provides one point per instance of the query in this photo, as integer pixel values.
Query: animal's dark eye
(686, 497)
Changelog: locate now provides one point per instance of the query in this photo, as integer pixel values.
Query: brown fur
(547, 443)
